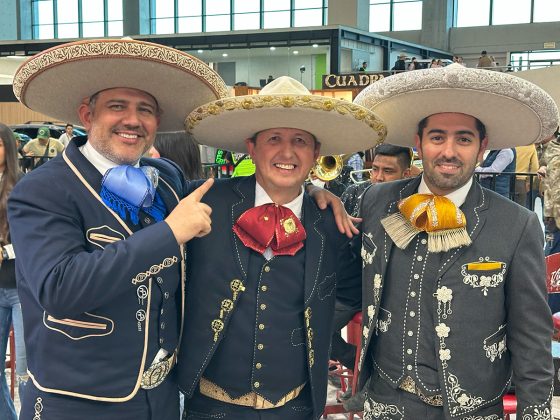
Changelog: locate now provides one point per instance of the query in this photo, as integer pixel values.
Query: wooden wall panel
(16, 113)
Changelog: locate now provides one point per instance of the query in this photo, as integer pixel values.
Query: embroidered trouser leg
(160, 403)
(201, 407)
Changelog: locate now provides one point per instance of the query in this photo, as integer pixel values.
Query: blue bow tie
(127, 190)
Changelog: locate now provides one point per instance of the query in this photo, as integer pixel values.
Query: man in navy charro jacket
(261, 287)
(100, 232)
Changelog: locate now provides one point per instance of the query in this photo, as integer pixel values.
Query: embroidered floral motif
(154, 269)
(377, 410)
(491, 278)
(382, 325)
(538, 414)
(444, 295)
(495, 351)
(444, 355)
(38, 408)
(226, 306)
(376, 288)
(460, 399)
(311, 357)
(490, 417)
(442, 330)
(367, 257)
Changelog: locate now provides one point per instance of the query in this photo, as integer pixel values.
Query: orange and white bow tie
(436, 215)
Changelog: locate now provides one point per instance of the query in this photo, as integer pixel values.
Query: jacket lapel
(245, 191)
(314, 245)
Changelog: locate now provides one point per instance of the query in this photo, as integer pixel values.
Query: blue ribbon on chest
(127, 190)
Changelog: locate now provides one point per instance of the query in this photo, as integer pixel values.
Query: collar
(458, 196)
(261, 197)
(101, 163)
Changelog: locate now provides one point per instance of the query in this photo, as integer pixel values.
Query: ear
(406, 173)
(483, 146)
(418, 144)
(85, 115)
(250, 146)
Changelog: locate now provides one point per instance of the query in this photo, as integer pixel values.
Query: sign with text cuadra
(351, 80)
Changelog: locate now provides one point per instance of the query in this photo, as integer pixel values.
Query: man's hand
(541, 172)
(325, 198)
(191, 218)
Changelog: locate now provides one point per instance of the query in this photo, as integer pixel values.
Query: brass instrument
(328, 167)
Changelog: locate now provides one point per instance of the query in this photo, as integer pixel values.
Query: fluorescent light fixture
(272, 48)
(315, 45)
(296, 52)
(200, 51)
(224, 55)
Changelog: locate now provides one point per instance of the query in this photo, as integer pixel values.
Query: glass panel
(66, 12)
(276, 20)
(379, 18)
(164, 26)
(68, 30)
(190, 24)
(473, 13)
(378, 1)
(241, 6)
(115, 28)
(307, 4)
(164, 8)
(270, 5)
(217, 7)
(312, 17)
(546, 11)
(218, 23)
(190, 8)
(93, 29)
(246, 21)
(407, 16)
(45, 31)
(114, 10)
(44, 10)
(511, 11)
(92, 10)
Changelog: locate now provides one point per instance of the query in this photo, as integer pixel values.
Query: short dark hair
(69, 125)
(480, 127)
(484, 52)
(403, 154)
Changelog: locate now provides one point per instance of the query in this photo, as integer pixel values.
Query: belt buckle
(157, 372)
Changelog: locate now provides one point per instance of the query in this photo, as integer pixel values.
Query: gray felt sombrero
(514, 111)
(57, 80)
(340, 126)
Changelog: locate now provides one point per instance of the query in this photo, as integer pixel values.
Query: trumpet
(327, 167)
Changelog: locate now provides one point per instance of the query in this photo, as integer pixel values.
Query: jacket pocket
(88, 325)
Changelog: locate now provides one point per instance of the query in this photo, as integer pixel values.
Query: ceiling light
(315, 45)
(200, 51)
(224, 55)
(296, 52)
(272, 48)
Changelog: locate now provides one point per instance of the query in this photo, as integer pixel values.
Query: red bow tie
(270, 225)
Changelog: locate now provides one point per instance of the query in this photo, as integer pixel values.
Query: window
(504, 12)
(76, 18)
(169, 16)
(395, 15)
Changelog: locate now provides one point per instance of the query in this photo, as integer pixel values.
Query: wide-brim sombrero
(547, 78)
(55, 81)
(340, 126)
(514, 111)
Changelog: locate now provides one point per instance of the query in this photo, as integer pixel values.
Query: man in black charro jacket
(454, 295)
(258, 312)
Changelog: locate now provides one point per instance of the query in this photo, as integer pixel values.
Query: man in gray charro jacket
(454, 296)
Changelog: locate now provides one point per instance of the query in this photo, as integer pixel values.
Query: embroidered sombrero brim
(340, 126)
(547, 79)
(514, 111)
(55, 81)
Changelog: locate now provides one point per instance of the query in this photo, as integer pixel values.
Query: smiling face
(450, 148)
(283, 158)
(121, 123)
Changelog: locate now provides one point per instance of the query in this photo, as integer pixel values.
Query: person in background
(363, 67)
(67, 135)
(484, 62)
(43, 147)
(356, 162)
(180, 147)
(10, 307)
(526, 161)
(413, 64)
(496, 162)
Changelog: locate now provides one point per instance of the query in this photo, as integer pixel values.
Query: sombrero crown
(514, 111)
(77, 70)
(340, 126)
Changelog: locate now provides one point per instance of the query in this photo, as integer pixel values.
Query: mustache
(452, 161)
